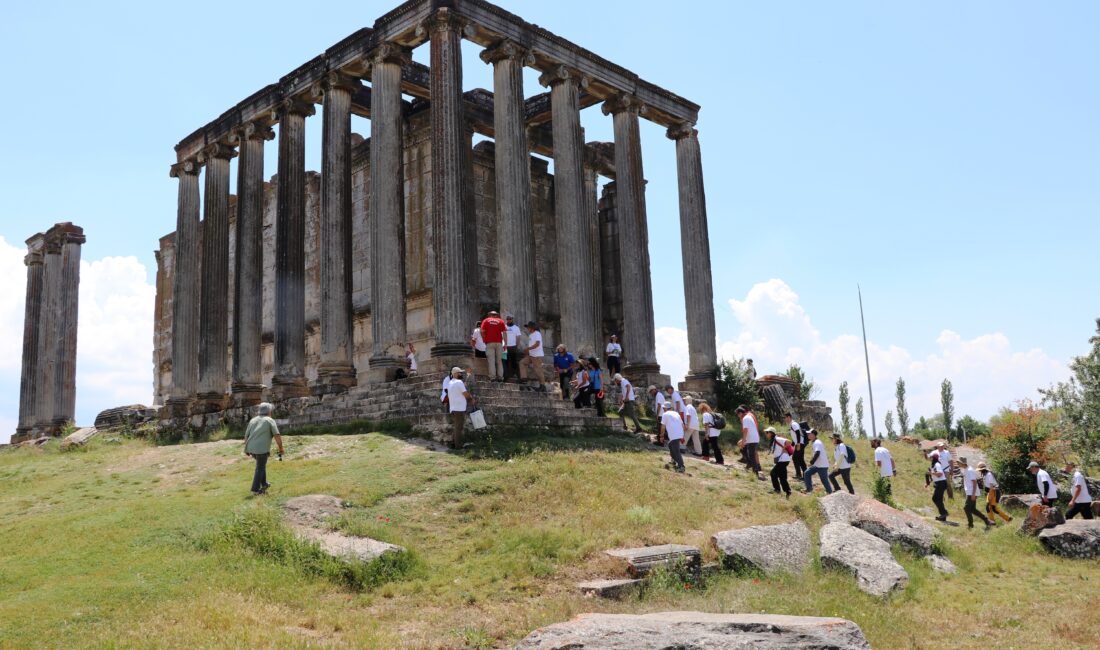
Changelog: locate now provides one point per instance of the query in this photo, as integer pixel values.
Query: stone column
(49, 335)
(32, 324)
(336, 372)
(592, 215)
(695, 246)
(67, 290)
(639, 344)
(185, 303)
(214, 290)
(515, 229)
(247, 383)
(387, 212)
(290, 253)
(452, 291)
(578, 313)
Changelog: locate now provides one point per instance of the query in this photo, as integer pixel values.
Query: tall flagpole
(867, 360)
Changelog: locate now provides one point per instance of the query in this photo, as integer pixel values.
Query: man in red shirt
(493, 332)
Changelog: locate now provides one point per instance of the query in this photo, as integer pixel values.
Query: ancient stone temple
(305, 289)
(47, 389)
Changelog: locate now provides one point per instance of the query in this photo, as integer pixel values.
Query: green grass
(128, 544)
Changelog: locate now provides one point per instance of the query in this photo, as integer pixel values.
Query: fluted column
(639, 344)
(695, 247)
(452, 291)
(49, 334)
(32, 323)
(185, 298)
(290, 253)
(515, 229)
(71, 239)
(578, 321)
(336, 372)
(387, 211)
(592, 215)
(247, 383)
(214, 290)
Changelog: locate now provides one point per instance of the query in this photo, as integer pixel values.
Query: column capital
(563, 73)
(624, 102)
(444, 20)
(192, 167)
(33, 258)
(61, 234)
(335, 80)
(252, 131)
(219, 150)
(682, 130)
(389, 52)
(506, 49)
(296, 106)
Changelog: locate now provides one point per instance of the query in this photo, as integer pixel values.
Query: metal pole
(867, 360)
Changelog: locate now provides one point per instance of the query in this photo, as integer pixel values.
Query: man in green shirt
(257, 444)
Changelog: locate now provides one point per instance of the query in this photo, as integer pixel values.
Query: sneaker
(760, 477)
(941, 518)
(788, 496)
(680, 469)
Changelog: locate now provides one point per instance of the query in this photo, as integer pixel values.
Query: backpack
(719, 421)
(789, 448)
(851, 454)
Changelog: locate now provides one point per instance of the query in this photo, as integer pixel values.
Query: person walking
(595, 385)
(659, 401)
(458, 399)
(710, 440)
(937, 477)
(819, 464)
(672, 429)
(410, 357)
(613, 354)
(676, 402)
(532, 363)
(563, 365)
(843, 467)
(477, 342)
(493, 332)
(261, 430)
(751, 369)
(1048, 491)
(1080, 500)
(580, 384)
(750, 440)
(970, 491)
(948, 468)
(883, 459)
(798, 439)
(992, 494)
(691, 423)
(627, 407)
(781, 449)
(512, 336)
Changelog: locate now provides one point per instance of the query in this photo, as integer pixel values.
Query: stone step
(610, 588)
(640, 561)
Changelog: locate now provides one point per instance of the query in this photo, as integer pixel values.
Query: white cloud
(986, 372)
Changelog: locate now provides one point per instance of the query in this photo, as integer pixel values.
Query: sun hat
(769, 430)
(1032, 464)
(982, 467)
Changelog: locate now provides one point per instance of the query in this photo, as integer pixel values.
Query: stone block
(640, 561)
(610, 588)
(862, 554)
(778, 548)
(839, 506)
(79, 438)
(894, 526)
(1039, 518)
(1077, 538)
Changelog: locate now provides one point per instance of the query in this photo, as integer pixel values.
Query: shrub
(883, 491)
(1018, 437)
(735, 386)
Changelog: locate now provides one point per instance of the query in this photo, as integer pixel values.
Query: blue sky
(944, 155)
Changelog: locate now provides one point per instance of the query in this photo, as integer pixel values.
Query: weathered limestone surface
(1039, 518)
(782, 547)
(310, 516)
(1077, 538)
(214, 288)
(894, 526)
(185, 306)
(32, 325)
(610, 588)
(640, 561)
(941, 564)
(697, 631)
(839, 506)
(1022, 501)
(869, 558)
(79, 438)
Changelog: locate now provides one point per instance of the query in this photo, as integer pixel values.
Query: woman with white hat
(992, 494)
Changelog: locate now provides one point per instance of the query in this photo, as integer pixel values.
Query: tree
(860, 431)
(735, 386)
(903, 415)
(947, 400)
(973, 428)
(890, 425)
(921, 426)
(845, 417)
(806, 387)
(1078, 400)
(1019, 436)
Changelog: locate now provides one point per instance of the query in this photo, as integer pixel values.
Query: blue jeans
(259, 477)
(823, 473)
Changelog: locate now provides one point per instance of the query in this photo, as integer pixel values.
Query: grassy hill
(125, 544)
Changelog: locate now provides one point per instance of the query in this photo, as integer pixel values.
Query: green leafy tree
(860, 431)
(890, 433)
(845, 416)
(903, 415)
(735, 386)
(973, 428)
(921, 426)
(947, 401)
(1078, 401)
(1019, 436)
(806, 388)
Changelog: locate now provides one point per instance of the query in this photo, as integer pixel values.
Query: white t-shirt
(749, 422)
(412, 361)
(937, 472)
(614, 350)
(677, 401)
(970, 482)
(797, 437)
(660, 403)
(674, 426)
(822, 456)
(945, 460)
(443, 387)
(479, 343)
(1041, 476)
(989, 481)
(779, 450)
(532, 339)
(752, 372)
(691, 418)
(1079, 480)
(882, 455)
(840, 454)
(512, 333)
(456, 393)
(627, 389)
(708, 424)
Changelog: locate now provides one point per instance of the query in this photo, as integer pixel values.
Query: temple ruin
(305, 289)
(47, 388)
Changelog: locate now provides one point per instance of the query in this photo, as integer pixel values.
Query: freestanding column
(592, 215)
(515, 230)
(32, 323)
(185, 303)
(248, 289)
(387, 212)
(290, 253)
(68, 301)
(452, 291)
(578, 313)
(639, 344)
(49, 335)
(336, 372)
(214, 291)
(695, 246)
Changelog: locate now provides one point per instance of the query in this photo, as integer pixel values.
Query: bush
(883, 491)
(735, 387)
(1018, 437)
